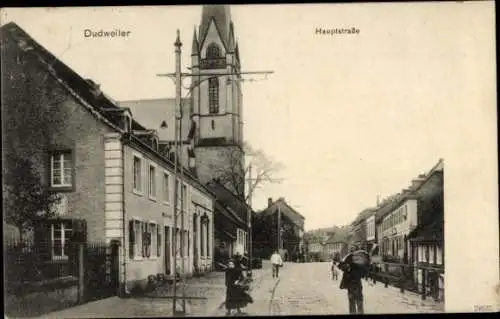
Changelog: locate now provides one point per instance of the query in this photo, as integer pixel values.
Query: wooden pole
(81, 274)
(178, 83)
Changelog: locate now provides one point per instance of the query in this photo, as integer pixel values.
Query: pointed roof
(237, 52)
(231, 44)
(221, 14)
(195, 47)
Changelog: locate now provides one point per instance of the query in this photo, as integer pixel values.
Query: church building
(212, 126)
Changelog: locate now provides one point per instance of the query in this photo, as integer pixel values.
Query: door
(168, 251)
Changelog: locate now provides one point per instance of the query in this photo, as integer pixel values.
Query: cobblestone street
(307, 289)
(302, 289)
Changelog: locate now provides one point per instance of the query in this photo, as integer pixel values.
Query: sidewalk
(211, 287)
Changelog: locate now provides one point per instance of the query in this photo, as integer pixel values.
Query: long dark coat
(236, 297)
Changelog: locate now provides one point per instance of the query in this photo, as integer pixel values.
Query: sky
(350, 117)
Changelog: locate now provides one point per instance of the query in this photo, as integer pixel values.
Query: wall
(212, 162)
(370, 228)
(399, 227)
(39, 115)
(140, 206)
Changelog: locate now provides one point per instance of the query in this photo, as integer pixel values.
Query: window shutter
(131, 238)
(148, 240)
(143, 233)
(158, 241)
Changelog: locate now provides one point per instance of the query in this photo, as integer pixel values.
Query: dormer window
(213, 51)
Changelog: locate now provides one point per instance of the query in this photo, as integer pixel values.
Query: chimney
(269, 201)
(378, 200)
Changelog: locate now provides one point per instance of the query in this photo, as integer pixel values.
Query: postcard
(279, 159)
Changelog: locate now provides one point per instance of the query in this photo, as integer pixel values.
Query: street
(307, 289)
(302, 289)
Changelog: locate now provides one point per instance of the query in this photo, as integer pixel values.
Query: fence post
(423, 283)
(81, 272)
(402, 280)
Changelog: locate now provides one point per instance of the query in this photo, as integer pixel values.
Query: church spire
(221, 14)
(231, 44)
(195, 48)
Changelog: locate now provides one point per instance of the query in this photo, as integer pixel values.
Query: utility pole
(279, 228)
(250, 232)
(178, 87)
(178, 76)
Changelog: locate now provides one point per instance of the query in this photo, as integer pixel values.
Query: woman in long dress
(236, 297)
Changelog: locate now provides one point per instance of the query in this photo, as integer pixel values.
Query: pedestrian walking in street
(334, 270)
(236, 288)
(353, 272)
(276, 263)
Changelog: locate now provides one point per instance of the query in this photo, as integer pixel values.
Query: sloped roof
(428, 233)
(229, 200)
(364, 214)
(152, 112)
(84, 90)
(395, 200)
(337, 238)
(291, 213)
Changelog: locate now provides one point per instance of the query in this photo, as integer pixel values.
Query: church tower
(216, 105)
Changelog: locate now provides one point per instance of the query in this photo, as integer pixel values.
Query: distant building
(426, 241)
(335, 246)
(315, 251)
(409, 229)
(359, 229)
(281, 227)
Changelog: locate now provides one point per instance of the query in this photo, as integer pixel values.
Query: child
(334, 270)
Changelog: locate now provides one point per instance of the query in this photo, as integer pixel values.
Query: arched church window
(213, 51)
(213, 95)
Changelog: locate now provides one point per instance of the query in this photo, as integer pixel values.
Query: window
(146, 240)
(138, 239)
(184, 198)
(213, 95)
(158, 241)
(213, 51)
(137, 174)
(207, 238)
(61, 236)
(166, 188)
(178, 244)
(152, 234)
(202, 238)
(152, 182)
(61, 171)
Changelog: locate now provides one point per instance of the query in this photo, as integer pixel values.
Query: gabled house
(116, 184)
(284, 231)
(335, 247)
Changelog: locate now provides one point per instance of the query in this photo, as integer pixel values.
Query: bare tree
(242, 164)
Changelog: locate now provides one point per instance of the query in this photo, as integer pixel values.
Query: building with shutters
(116, 181)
